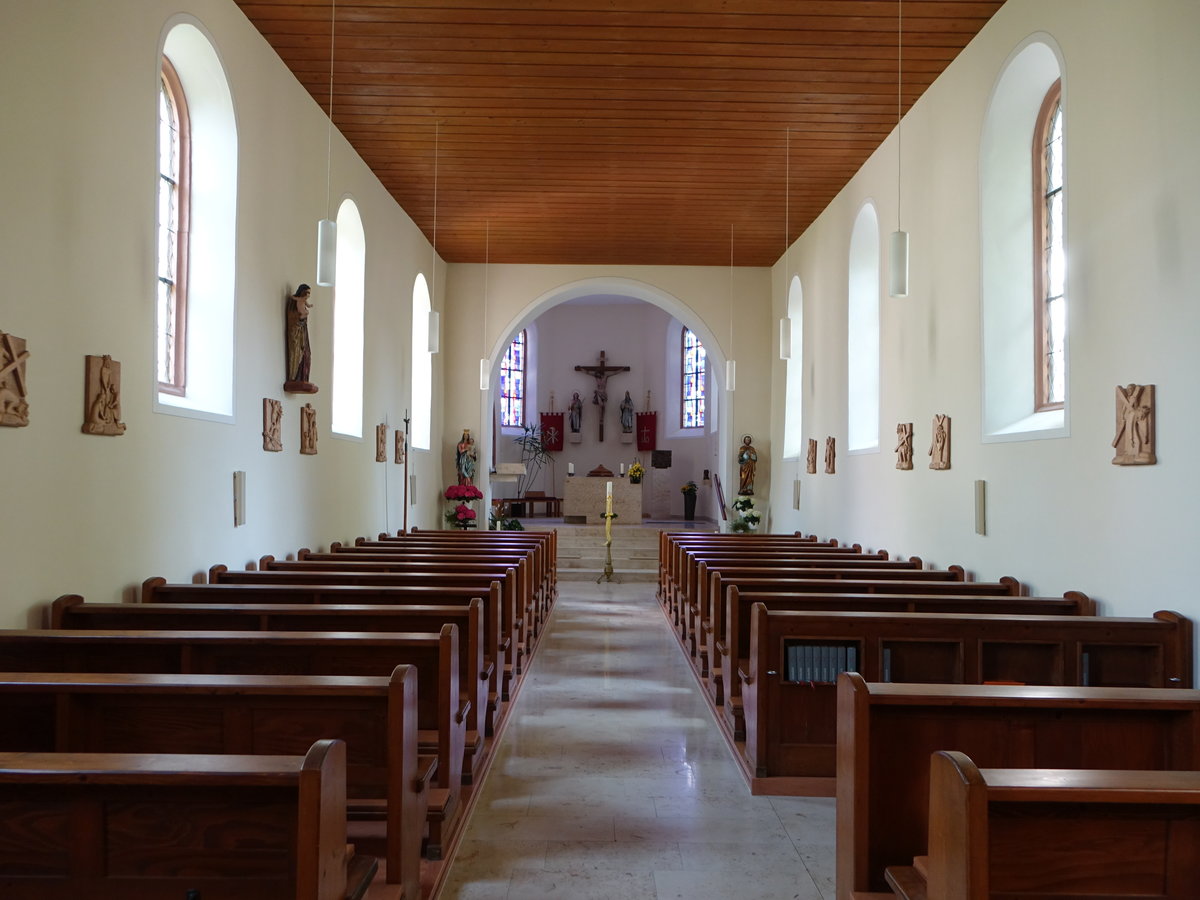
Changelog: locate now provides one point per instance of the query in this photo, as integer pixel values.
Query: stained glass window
(512, 383)
(1051, 316)
(173, 165)
(693, 382)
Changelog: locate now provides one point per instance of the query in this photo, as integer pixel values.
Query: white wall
(1060, 516)
(95, 515)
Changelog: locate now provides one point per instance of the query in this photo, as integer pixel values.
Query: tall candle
(570, 468)
(622, 470)
(608, 493)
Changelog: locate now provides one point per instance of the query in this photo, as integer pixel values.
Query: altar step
(581, 553)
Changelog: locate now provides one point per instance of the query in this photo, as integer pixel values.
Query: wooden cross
(600, 396)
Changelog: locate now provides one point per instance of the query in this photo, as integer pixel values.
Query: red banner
(647, 431)
(552, 431)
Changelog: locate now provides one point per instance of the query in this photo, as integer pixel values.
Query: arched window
(196, 229)
(692, 381)
(1050, 264)
(793, 392)
(862, 388)
(512, 383)
(422, 366)
(1023, 172)
(348, 300)
(174, 173)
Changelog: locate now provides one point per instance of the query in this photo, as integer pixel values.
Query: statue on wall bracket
(1134, 442)
(299, 350)
(14, 392)
(102, 396)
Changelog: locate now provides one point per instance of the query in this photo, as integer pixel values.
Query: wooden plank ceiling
(616, 131)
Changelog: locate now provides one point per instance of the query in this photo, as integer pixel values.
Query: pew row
(788, 685)
(441, 714)
(1055, 834)
(242, 714)
(122, 825)
(887, 732)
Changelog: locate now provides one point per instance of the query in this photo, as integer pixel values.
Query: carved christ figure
(601, 373)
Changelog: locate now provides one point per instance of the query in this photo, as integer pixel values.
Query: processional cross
(601, 374)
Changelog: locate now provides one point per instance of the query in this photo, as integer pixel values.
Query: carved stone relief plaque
(380, 443)
(812, 457)
(939, 449)
(401, 449)
(830, 456)
(102, 396)
(308, 430)
(1134, 443)
(904, 438)
(272, 425)
(14, 395)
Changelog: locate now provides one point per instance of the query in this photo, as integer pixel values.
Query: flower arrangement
(460, 515)
(636, 472)
(689, 488)
(748, 517)
(463, 492)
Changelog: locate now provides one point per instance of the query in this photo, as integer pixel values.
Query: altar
(584, 497)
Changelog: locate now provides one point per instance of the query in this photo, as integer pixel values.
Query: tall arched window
(196, 237)
(862, 388)
(692, 382)
(512, 383)
(174, 173)
(348, 300)
(422, 366)
(1050, 264)
(793, 409)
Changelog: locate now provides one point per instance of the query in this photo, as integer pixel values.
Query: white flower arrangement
(748, 517)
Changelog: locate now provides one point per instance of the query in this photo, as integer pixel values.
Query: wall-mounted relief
(380, 443)
(812, 457)
(939, 449)
(830, 455)
(308, 430)
(102, 396)
(272, 425)
(1134, 442)
(14, 394)
(401, 447)
(904, 438)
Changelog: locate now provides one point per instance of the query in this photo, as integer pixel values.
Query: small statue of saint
(747, 463)
(299, 350)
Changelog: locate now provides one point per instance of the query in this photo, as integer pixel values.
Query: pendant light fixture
(485, 365)
(327, 228)
(898, 246)
(731, 363)
(435, 318)
(785, 324)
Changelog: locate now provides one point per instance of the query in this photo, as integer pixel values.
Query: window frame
(506, 366)
(169, 82)
(1051, 106)
(699, 402)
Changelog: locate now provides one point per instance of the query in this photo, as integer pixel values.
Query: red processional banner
(552, 431)
(647, 431)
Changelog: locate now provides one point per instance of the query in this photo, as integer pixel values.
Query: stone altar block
(585, 497)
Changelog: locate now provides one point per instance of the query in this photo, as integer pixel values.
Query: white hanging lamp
(731, 364)
(327, 228)
(485, 365)
(898, 244)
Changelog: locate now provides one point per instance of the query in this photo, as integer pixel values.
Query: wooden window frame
(683, 398)
(178, 383)
(523, 337)
(1041, 277)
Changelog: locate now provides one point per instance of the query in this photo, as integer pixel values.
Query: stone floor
(612, 780)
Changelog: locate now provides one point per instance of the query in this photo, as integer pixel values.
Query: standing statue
(299, 351)
(627, 414)
(747, 463)
(575, 415)
(465, 457)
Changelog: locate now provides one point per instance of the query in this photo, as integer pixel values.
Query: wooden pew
(546, 541)
(122, 825)
(788, 685)
(441, 715)
(512, 578)
(729, 644)
(886, 733)
(242, 714)
(70, 611)
(1055, 834)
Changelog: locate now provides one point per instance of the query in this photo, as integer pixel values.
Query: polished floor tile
(612, 780)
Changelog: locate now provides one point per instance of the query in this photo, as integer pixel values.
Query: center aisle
(613, 781)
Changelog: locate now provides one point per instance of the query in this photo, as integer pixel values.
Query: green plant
(533, 454)
(689, 488)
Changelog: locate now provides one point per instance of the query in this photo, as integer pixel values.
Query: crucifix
(601, 373)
